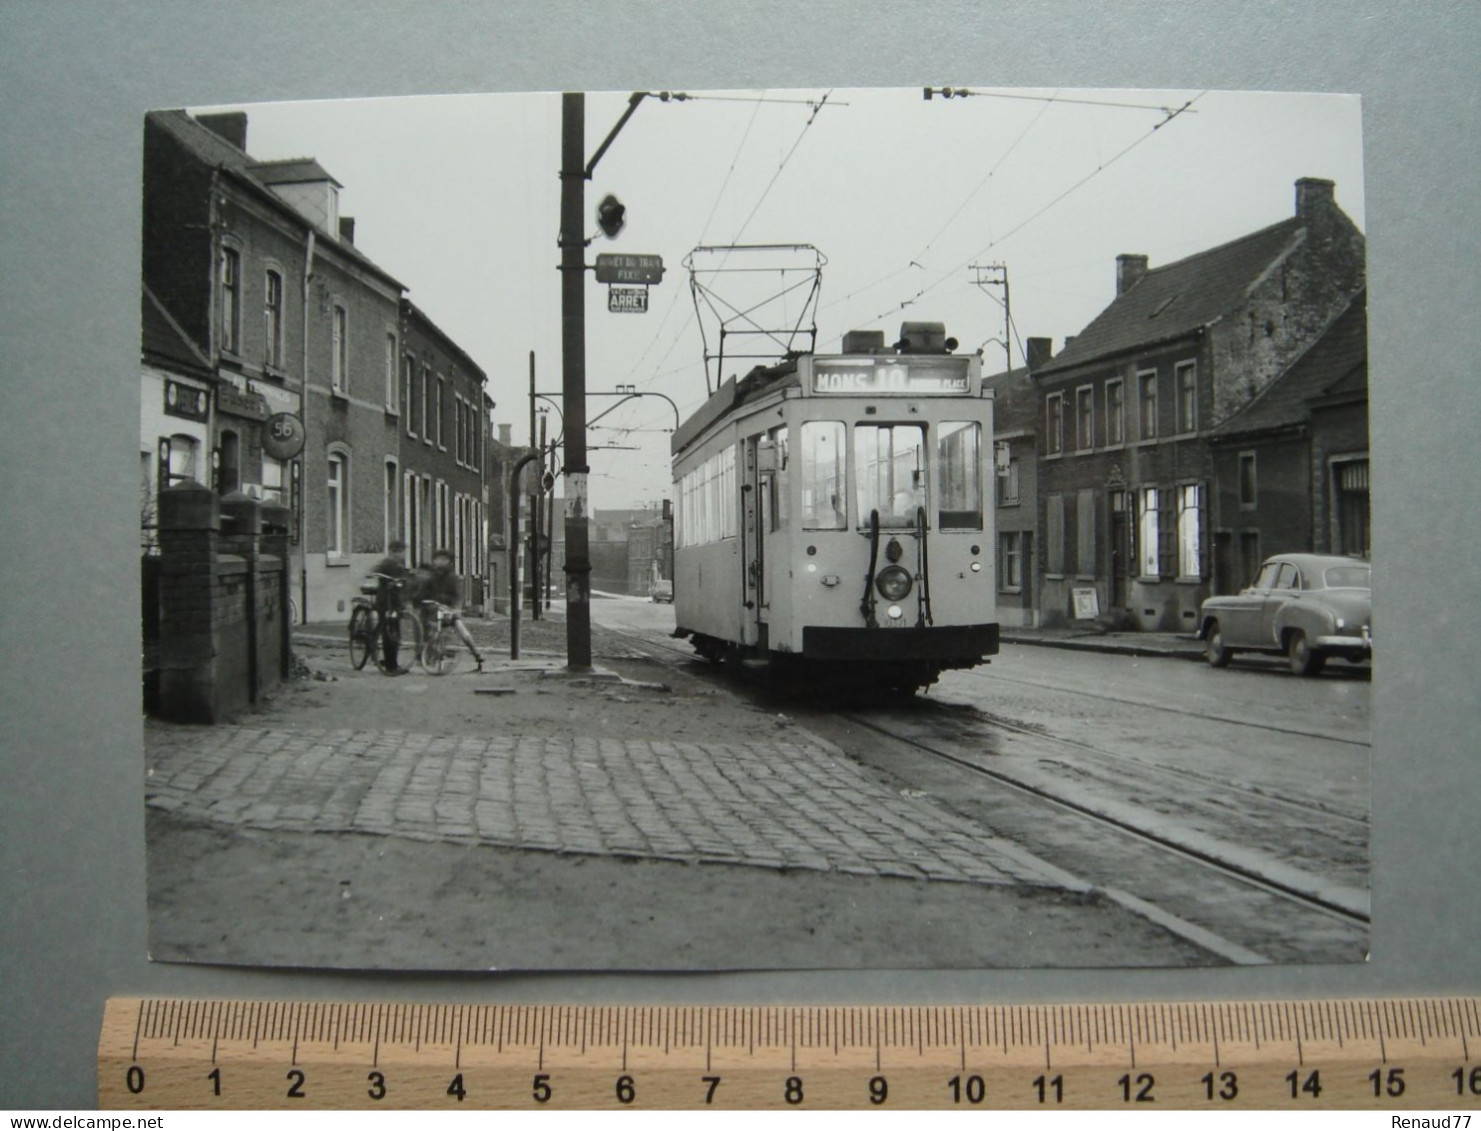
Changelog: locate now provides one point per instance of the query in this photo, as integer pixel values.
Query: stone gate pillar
(189, 526)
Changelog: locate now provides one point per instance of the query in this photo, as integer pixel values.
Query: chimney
(506, 435)
(230, 127)
(1315, 198)
(1039, 351)
(1129, 270)
(347, 230)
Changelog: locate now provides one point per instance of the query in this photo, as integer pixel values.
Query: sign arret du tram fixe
(642, 269)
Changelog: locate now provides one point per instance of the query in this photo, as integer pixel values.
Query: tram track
(1243, 906)
(1145, 766)
(1183, 712)
(1341, 907)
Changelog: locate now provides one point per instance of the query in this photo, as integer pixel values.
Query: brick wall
(222, 622)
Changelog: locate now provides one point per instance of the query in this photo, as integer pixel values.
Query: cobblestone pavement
(771, 804)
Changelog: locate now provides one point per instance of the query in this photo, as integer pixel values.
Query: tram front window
(890, 472)
(958, 470)
(821, 471)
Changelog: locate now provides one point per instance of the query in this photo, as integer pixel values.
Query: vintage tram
(834, 515)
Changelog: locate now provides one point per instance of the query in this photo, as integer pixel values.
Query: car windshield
(1348, 577)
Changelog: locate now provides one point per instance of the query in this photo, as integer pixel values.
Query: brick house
(1129, 408)
(1017, 411)
(251, 263)
(1291, 467)
(441, 500)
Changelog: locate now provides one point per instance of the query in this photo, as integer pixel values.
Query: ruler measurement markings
(1318, 1032)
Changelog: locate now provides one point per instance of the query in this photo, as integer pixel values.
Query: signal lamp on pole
(611, 215)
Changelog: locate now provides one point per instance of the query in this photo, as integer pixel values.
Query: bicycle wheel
(443, 652)
(362, 638)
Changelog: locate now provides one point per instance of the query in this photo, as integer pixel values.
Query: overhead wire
(1100, 168)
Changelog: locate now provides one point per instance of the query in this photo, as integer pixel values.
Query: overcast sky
(458, 198)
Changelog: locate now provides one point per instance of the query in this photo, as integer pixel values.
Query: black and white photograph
(917, 528)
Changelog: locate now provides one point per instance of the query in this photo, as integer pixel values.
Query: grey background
(75, 81)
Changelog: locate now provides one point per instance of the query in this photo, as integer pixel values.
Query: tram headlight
(893, 583)
(894, 612)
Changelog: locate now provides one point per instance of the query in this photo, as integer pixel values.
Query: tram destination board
(1384, 1054)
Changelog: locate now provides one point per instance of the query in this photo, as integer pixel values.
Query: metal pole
(542, 530)
(513, 552)
(573, 379)
(534, 510)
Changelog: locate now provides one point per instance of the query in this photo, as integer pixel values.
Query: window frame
(409, 388)
(1248, 501)
(441, 406)
(1190, 515)
(337, 505)
(1186, 392)
(273, 317)
(393, 376)
(1054, 424)
(1085, 418)
(229, 283)
(339, 349)
(1115, 415)
(1148, 534)
(1147, 397)
(1010, 561)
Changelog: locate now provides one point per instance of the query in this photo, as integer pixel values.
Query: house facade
(330, 392)
(1130, 406)
(436, 488)
(1291, 468)
(1016, 425)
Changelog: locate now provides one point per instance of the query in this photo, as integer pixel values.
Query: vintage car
(662, 591)
(1308, 607)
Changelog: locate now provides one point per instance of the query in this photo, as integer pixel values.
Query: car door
(1239, 616)
(1287, 588)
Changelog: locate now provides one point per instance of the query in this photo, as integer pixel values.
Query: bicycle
(443, 651)
(376, 632)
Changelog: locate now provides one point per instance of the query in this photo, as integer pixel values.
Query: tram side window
(779, 506)
(707, 501)
(959, 473)
(821, 472)
(890, 467)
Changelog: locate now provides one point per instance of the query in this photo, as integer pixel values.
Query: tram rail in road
(1272, 911)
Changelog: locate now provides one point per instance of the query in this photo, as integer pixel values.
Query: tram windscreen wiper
(924, 562)
(866, 606)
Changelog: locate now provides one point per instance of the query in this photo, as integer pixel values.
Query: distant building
(1130, 407)
(1016, 417)
(440, 402)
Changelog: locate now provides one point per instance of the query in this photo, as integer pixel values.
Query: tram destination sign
(644, 269)
(627, 300)
(890, 375)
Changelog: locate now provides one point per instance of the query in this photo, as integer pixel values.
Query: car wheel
(1217, 654)
(1304, 661)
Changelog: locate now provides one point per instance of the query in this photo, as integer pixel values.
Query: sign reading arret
(630, 269)
(627, 300)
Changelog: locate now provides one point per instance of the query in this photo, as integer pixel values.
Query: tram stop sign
(630, 269)
(627, 300)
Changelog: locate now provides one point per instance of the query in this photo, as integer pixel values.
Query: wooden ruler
(1368, 1053)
